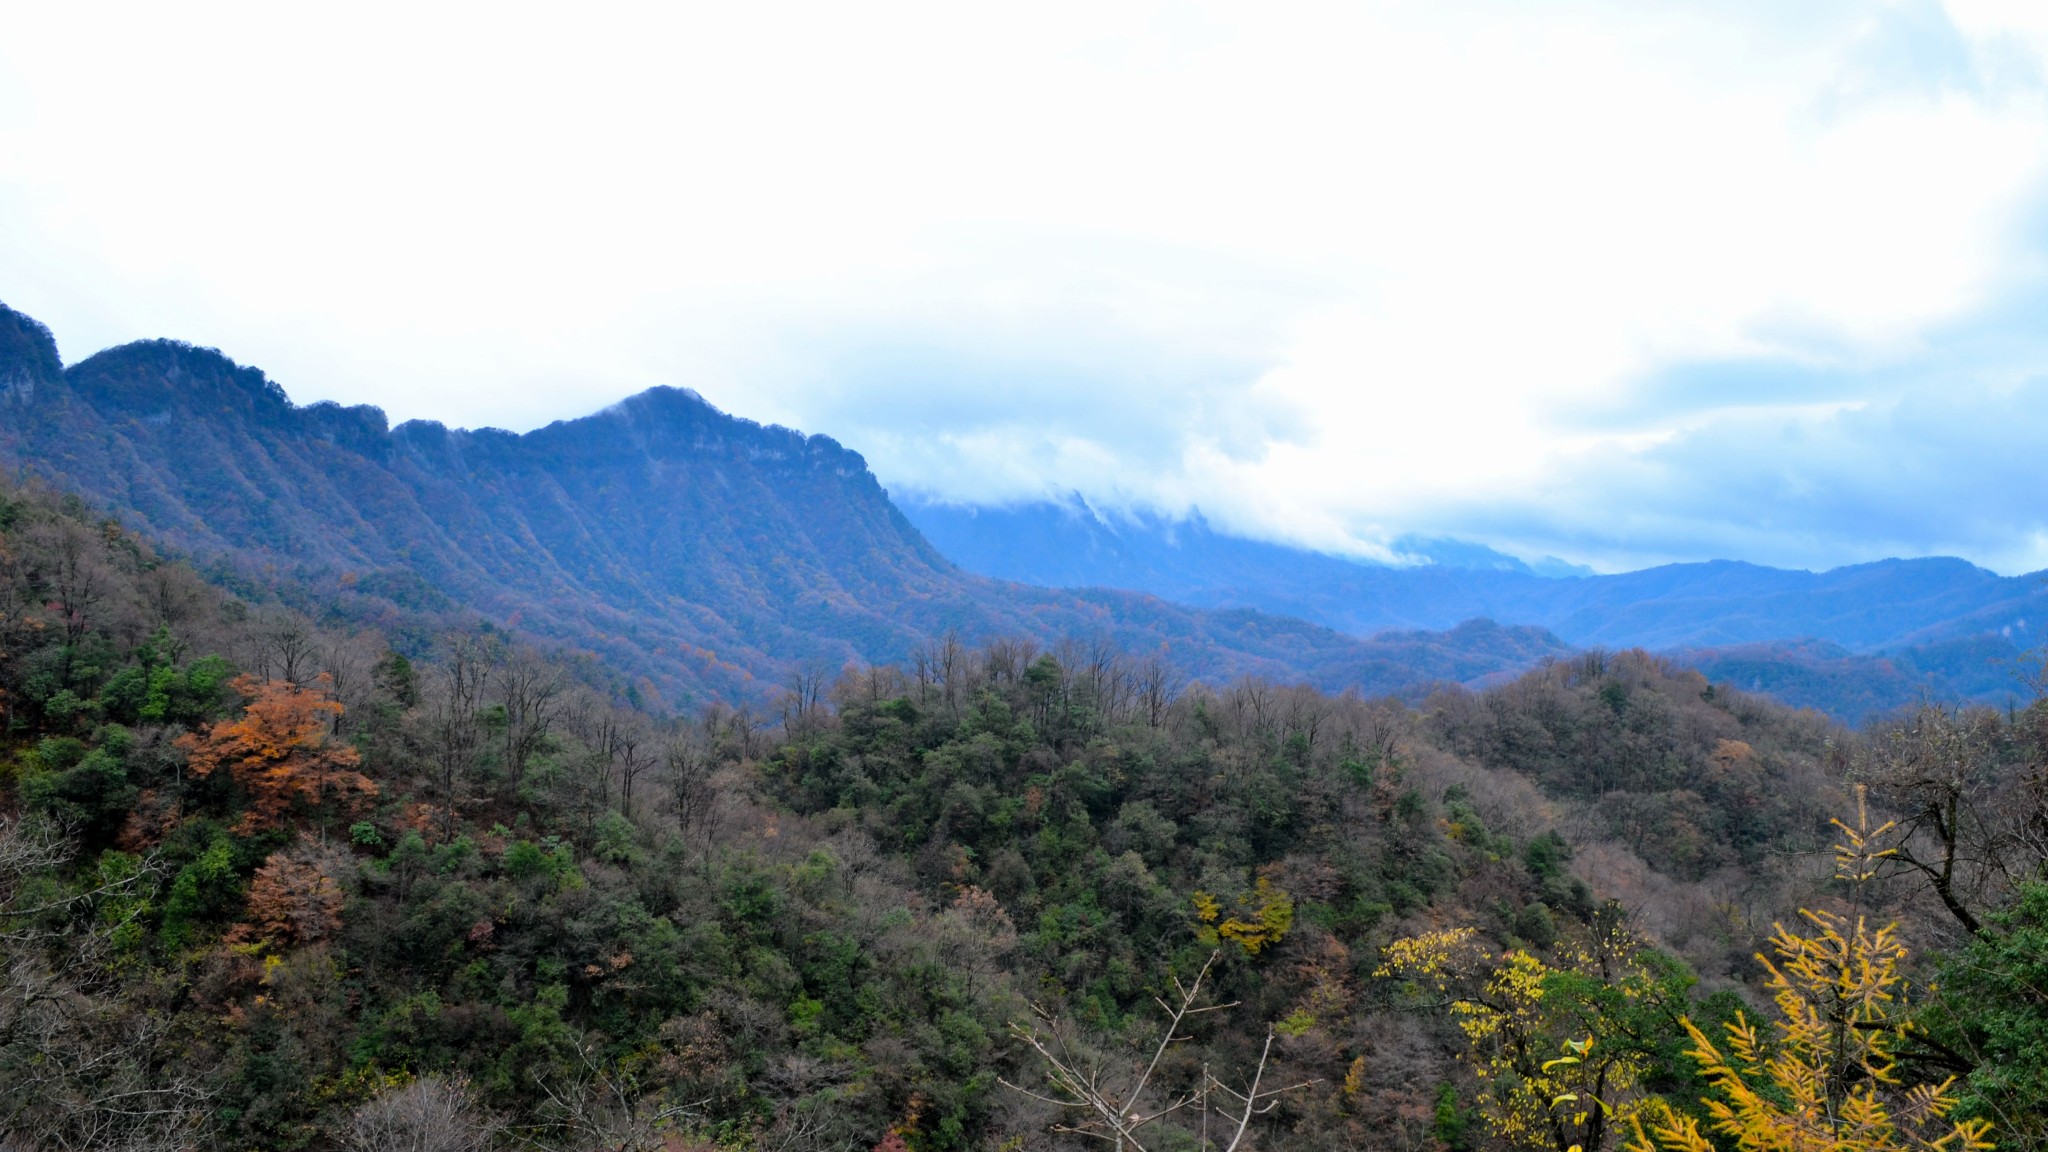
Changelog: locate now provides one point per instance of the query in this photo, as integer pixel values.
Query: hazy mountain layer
(1852, 641)
(1853, 686)
(1865, 608)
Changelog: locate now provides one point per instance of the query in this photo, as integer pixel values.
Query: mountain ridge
(705, 554)
(702, 553)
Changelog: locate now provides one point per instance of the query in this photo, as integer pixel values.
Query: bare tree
(30, 846)
(868, 684)
(454, 716)
(72, 563)
(1117, 1105)
(631, 751)
(530, 689)
(743, 729)
(350, 664)
(1107, 678)
(431, 1114)
(173, 596)
(79, 1069)
(290, 648)
(804, 702)
(591, 720)
(1005, 660)
(1158, 684)
(686, 768)
(922, 670)
(601, 1107)
(944, 665)
(1974, 819)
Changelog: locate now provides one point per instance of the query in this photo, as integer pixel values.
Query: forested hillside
(270, 884)
(695, 554)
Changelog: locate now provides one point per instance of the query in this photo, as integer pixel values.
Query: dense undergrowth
(269, 884)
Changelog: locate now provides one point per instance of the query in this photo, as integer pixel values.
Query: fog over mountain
(1627, 284)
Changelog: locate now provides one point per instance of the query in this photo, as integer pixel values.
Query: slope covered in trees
(694, 553)
(265, 884)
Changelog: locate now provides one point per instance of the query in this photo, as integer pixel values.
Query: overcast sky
(1621, 283)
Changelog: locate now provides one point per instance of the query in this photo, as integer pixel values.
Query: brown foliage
(292, 900)
(281, 750)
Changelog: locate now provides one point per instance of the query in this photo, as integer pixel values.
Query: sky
(1620, 283)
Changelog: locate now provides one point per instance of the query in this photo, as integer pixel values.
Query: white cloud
(1331, 271)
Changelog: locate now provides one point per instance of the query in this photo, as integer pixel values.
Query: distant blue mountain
(1864, 608)
(1853, 640)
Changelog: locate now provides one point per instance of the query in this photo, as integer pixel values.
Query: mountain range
(1852, 641)
(702, 555)
(699, 554)
(1883, 606)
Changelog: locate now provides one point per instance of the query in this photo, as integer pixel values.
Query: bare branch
(1117, 1115)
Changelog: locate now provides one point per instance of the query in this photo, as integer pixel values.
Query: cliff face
(698, 552)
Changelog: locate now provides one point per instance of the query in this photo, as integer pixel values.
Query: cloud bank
(1599, 281)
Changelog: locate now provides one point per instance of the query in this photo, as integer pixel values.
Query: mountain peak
(159, 377)
(28, 357)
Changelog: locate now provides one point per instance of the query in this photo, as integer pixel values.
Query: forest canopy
(268, 881)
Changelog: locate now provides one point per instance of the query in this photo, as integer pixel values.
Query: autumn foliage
(281, 751)
(292, 900)
(1554, 1044)
(1826, 1077)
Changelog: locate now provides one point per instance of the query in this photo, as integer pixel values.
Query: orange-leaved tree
(281, 750)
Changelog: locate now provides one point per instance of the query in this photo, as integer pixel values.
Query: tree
(1828, 1078)
(1972, 822)
(1265, 915)
(803, 704)
(1118, 1105)
(631, 748)
(280, 751)
(1992, 1004)
(454, 716)
(530, 688)
(431, 1114)
(71, 559)
(1561, 1049)
(293, 899)
(81, 1067)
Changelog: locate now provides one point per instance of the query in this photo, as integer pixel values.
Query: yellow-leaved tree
(1826, 1078)
(1555, 1045)
(1264, 914)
